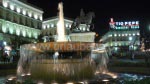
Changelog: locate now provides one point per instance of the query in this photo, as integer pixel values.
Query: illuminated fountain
(60, 25)
(62, 61)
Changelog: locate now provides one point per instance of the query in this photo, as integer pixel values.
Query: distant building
(19, 20)
(49, 28)
(123, 37)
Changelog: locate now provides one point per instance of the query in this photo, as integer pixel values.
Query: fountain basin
(60, 46)
(73, 61)
(62, 70)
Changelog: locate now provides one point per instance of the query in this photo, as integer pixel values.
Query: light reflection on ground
(2, 80)
(122, 76)
(130, 77)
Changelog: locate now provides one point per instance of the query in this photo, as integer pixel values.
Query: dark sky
(120, 10)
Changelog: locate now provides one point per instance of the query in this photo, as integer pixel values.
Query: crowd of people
(8, 57)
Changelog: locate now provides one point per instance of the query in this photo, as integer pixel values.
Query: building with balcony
(19, 20)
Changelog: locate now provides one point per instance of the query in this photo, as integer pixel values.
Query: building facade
(19, 19)
(49, 29)
(123, 37)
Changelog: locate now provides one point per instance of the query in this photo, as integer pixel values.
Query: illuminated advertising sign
(124, 24)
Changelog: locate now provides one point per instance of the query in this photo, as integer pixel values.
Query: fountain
(60, 25)
(61, 61)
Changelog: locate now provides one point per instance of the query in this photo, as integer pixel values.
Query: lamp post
(131, 47)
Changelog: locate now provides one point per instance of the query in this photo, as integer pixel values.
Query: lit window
(35, 35)
(119, 35)
(67, 25)
(115, 44)
(41, 18)
(119, 44)
(133, 34)
(18, 10)
(11, 30)
(5, 4)
(115, 35)
(24, 33)
(83, 28)
(18, 32)
(88, 29)
(126, 34)
(80, 28)
(44, 26)
(35, 16)
(110, 35)
(70, 26)
(130, 38)
(29, 34)
(122, 34)
(29, 14)
(52, 25)
(12, 7)
(4, 29)
(138, 33)
(129, 34)
(24, 12)
(47, 26)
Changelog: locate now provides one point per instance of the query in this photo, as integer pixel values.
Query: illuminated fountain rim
(60, 46)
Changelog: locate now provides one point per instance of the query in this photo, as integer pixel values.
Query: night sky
(120, 10)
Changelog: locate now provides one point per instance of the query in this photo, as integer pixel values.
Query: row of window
(66, 25)
(19, 19)
(123, 44)
(20, 32)
(22, 10)
(127, 34)
(84, 29)
(51, 25)
(130, 38)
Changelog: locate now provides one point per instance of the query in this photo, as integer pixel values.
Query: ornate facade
(19, 19)
(49, 32)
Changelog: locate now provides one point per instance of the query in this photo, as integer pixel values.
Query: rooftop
(55, 17)
(25, 1)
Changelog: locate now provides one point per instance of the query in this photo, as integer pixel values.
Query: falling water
(40, 60)
(60, 25)
(100, 56)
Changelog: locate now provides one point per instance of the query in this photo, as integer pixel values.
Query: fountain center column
(60, 25)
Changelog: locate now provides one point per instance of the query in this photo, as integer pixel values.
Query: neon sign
(124, 25)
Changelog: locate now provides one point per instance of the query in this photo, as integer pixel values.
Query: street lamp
(131, 47)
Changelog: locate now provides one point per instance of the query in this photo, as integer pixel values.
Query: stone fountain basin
(37, 59)
(60, 46)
